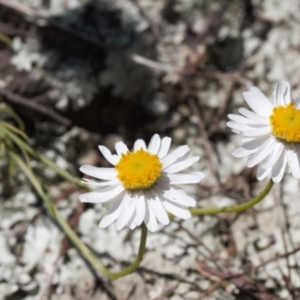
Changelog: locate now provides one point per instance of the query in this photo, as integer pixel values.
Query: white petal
(282, 94)
(174, 155)
(100, 173)
(182, 165)
(292, 159)
(182, 178)
(277, 149)
(174, 194)
(297, 104)
(97, 194)
(241, 152)
(249, 139)
(103, 195)
(139, 144)
(298, 151)
(240, 119)
(128, 208)
(104, 183)
(244, 127)
(113, 213)
(258, 102)
(132, 223)
(113, 159)
(256, 132)
(177, 210)
(253, 116)
(279, 168)
(150, 219)
(237, 128)
(121, 148)
(183, 157)
(250, 147)
(140, 209)
(164, 147)
(236, 131)
(156, 206)
(261, 172)
(262, 152)
(154, 144)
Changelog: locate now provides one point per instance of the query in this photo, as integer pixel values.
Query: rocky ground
(82, 73)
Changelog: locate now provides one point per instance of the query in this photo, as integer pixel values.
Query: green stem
(134, 265)
(93, 260)
(12, 114)
(14, 130)
(64, 174)
(235, 208)
(5, 39)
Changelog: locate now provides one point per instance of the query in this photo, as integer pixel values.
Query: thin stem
(235, 208)
(93, 260)
(64, 174)
(134, 265)
(5, 109)
(14, 129)
(5, 39)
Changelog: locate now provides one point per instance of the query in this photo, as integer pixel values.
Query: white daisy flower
(143, 184)
(272, 132)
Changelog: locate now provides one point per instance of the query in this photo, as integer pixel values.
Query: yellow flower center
(138, 170)
(285, 122)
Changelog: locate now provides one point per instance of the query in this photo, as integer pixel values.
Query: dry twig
(64, 247)
(17, 99)
(212, 22)
(167, 292)
(245, 284)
